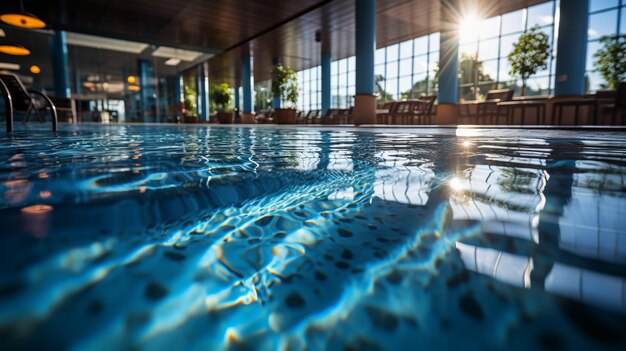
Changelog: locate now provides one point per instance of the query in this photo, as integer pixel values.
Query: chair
(489, 107)
(21, 99)
(620, 102)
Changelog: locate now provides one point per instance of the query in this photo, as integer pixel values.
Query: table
(509, 107)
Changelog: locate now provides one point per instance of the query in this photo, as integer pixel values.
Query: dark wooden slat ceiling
(294, 43)
(263, 28)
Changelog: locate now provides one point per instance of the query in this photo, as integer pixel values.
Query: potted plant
(610, 60)
(530, 55)
(190, 105)
(222, 96)
(285, 85)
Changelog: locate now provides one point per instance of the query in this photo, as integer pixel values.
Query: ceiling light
(134, 88)
(22, 19)
(2, 33)
(11, 66)
(172, 62)
(92, 41)
(131, 79)
(183, 55)
(14, 49)
(34, 69)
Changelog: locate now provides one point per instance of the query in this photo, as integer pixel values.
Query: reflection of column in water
(558, 193)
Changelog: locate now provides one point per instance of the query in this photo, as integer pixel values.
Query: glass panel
(595, 81)
(420, 86)
(333, 68)
(512, 22)
(490, 70)
(352, 63)
(592, 48)
(406, 49)
(604, 23)
(379, 56)
(351, 78)
(488, 49)
(405, 67)
(391, 87)
(503, 74)
(540, 15)
(622, 27)
(420, 46)
(434, 41)
(420, 64)
(506, 44)
(596, 5)
(433, 61)
(538, 86)
(489, 28)
(405, 87)
(392, 69)
(392, 53)
(468, 49)
(379, 70)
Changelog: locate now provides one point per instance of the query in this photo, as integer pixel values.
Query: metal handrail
(8, 106)
(53, 108)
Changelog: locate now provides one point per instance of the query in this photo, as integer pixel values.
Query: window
(606, 18)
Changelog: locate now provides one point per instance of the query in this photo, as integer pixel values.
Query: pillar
(247, 115)
(326, 58)
(364, 111)
(60, 68)
(146, 88)
(178, 97)
(571, 48)
(276, 99)
(236, 100)
(448, 84)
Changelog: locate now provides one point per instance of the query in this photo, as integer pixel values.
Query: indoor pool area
(282, 238)
(313, 175)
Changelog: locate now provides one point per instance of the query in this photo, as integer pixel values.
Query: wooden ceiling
(264, 29)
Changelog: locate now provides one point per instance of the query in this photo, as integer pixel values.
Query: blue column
(246, 83)
(571, 48)
(276, 99)
(325, 82)
(365, 45)
(144, 80)
(60, 68)
(178, 94)
(448, 91)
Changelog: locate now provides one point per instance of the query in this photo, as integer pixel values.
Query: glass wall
(408, 69)
(606, 18)
(484, 46)
(309, 89)
(342, 82)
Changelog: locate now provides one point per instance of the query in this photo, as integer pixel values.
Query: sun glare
(468, 27)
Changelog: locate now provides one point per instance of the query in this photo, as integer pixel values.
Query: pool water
(196, 238)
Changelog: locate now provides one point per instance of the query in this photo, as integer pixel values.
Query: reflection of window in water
(592, 224)
(407, 185)
(498, 193)
(581, 284)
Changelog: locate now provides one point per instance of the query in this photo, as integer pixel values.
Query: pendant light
(22, 19)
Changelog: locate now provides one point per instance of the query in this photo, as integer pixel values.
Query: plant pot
(248, 118)
(285, 116)
(225, 117)
(191, 119)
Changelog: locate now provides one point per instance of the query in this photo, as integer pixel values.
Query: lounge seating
(408, 112)
(489, 107)
(18, 98)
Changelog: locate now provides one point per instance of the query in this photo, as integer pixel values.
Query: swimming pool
(187, 237)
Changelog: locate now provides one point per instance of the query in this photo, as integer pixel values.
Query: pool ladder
(8, 107)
